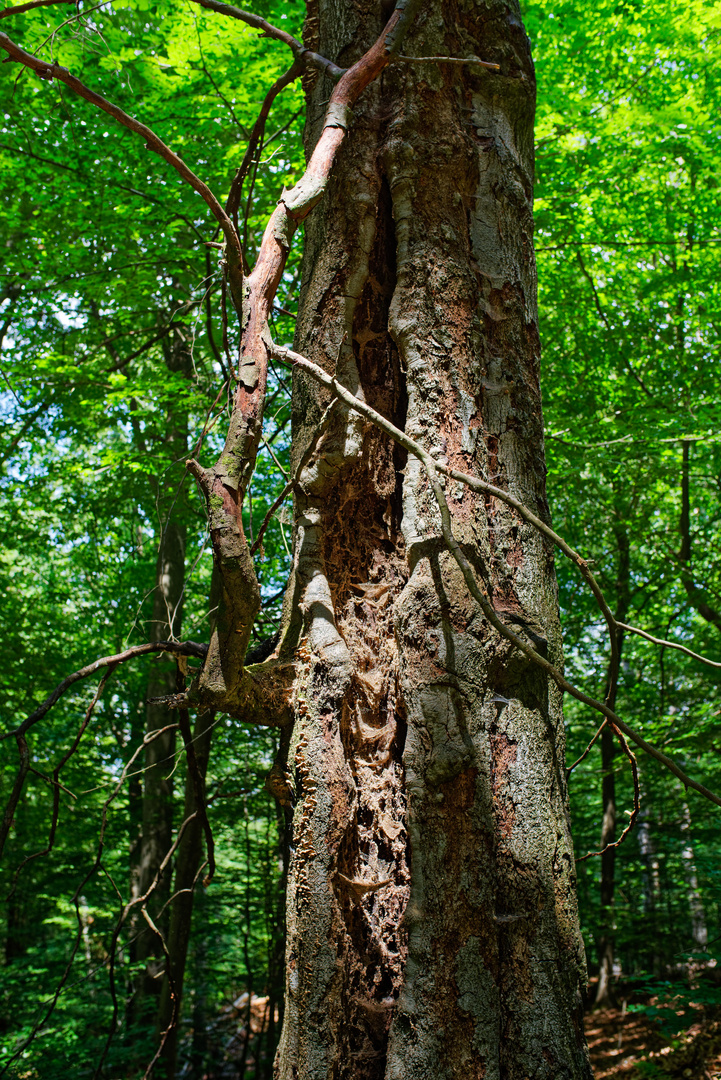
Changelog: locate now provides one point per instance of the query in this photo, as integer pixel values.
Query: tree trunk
(188, 860)
(431, 912)
(650, 885)
(607, 942)
(167, 614)
(699, 931)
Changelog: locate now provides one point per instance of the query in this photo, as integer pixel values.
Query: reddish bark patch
(504, 755)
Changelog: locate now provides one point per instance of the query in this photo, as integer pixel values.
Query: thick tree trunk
(431, 913)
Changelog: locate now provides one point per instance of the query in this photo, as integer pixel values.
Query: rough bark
(431, 915)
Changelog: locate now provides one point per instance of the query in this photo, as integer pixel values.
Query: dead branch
(233, 201)
(459, 61)
(432, 468)
(225, 484)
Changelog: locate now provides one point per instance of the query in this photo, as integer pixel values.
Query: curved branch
(29, 6)
(233, 201)
(178, 648)
(152, 141)
(302, 55)
(432, 469)
(633, 814)
(670, 645)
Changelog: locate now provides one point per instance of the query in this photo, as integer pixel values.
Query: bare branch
(432, 469)
(303, 55)
(587, 751)
(178, 648)
(152, 141)
(29, 6)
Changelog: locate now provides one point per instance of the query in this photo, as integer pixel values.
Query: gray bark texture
(432, 928)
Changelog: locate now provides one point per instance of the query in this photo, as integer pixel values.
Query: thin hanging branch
(233, 202)
(57, 786)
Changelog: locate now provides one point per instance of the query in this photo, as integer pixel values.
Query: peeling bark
(431, 914)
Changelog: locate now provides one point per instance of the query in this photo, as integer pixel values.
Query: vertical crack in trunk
(349, 874)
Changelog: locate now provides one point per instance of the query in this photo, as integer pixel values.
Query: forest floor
(629, 1046)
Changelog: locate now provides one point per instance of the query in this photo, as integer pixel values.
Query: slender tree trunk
(699, 931)
(431, 912)
(650, 883)
(187, 864)
(166, 622)
(606, 943)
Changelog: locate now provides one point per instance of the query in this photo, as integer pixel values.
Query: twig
(57, 786)
(325, 420)
(458, 60)
(670, 645)
(152, 141)
(233, 202)
(587, 751)
(29, 6)
(270, 450)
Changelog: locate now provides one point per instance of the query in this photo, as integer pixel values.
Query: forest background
(113, 359)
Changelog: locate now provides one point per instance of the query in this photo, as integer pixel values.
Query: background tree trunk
(431, 912)
(699, 930)
(188, 859)
(156, 817)
(607, 939)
